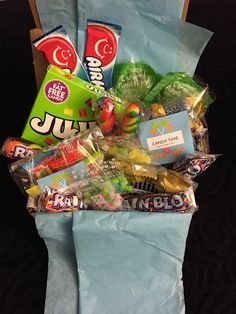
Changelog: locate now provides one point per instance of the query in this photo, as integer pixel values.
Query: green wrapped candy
(133, 81)
(178, 85)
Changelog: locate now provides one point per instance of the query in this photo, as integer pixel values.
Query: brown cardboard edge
(39, 60)
(185, 10)
(35, 13)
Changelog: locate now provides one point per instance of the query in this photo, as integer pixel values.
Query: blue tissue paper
(62, 282)
(114, 262)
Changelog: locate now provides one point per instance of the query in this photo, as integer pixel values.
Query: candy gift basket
(110, 152)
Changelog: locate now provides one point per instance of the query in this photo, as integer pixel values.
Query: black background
(209, 268)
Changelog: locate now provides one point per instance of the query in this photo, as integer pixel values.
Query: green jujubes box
(62, 108)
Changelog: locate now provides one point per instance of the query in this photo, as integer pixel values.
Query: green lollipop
(133, 81)
(177, 85)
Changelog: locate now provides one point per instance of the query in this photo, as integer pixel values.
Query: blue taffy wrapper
(126, 262)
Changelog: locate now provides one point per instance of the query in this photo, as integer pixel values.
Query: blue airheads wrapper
(100, 51)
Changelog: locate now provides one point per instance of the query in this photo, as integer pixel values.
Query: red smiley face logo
(101, 44)
(59, 52)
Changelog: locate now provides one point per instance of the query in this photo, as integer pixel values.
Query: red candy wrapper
(58, 50)
(58, 165)
(52, 200)
(17, 148)
(100, 51)
(181, 202)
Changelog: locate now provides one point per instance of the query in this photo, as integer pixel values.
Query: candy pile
(107, 136)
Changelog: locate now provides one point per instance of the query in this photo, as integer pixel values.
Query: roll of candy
(17, 148)
(52, 200)
(192, 165)
(106, 115)
(182, 202)
(131, 120)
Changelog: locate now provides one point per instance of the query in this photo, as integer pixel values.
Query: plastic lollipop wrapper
(193, 105)
(57, 165)
(164, 180)
(181, 202)
(16, 148)
(133, 81)
(106, 115)
(100, 192)
(102, 196)
(192, 165)
(117, 119)
(90, 136)
(199, 129)
(180, 85)
(125, 149)
(137, 172)
(139, 167)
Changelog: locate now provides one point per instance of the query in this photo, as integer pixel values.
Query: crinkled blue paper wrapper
(114, 262)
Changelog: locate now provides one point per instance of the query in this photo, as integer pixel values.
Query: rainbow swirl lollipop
(106, 116)
(131, 120)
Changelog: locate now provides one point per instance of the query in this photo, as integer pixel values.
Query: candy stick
(17, 148)
(131, 120)
(107, 116)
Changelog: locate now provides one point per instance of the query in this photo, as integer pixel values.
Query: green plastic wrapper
(177, 85)
(133, 81)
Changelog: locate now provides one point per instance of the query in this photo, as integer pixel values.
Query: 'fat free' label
(56, 91)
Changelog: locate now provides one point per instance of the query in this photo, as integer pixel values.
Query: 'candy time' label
(167, 138)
